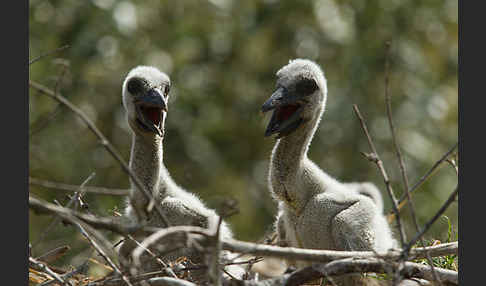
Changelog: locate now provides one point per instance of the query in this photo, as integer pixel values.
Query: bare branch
(423, 179)
(53, 254)
(57, 219)
(167, 270)
(352, 265)
(380, 166)
(99, 249)
(324, 256)
(71, 188)
(117, 225)
(39, 125)
(399, 156)
(42, 267)
(165, 232)
(444, 207)
(123, 228)
(168, 281)
(48, 53)
(104, 142)
(214, 271)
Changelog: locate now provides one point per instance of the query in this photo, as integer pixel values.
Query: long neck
(288, 157)
(146, 163)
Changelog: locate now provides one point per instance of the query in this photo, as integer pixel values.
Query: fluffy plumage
(145, 95)
(315, 210)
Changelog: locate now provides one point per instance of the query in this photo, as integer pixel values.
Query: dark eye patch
(135, 86)
(306, 86)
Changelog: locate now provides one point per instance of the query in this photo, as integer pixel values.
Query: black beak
(276, 100)
(152, 98)
(287, 111)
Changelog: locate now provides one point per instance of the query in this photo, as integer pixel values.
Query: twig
(424, 177)
(162, 233)
(400, 158)
(214, 272)
(42, 124)
(98, 248)
(324, 256)
(167, 270)
(48, 53)
(168, 281)
(104, 142)
(245, 247)
(376, 159)
(71, 188)
(352, 265)
(71, 201)
(444, 207)
(42, 267)
(117, 225)
(85, 230)
(81, 269)
(53, 254)
(395, 141)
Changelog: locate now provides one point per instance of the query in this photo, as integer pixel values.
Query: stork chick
(315, 210)
(145, 95)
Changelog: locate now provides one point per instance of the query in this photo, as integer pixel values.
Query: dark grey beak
(153, 98)
(277, 99)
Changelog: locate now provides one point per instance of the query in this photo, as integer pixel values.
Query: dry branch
(376, 159)
(424, 178)
(324, 256)
(42, 267)
(444, 207)
(338, 262)
(48, 53)
(313, 255)
(117, 225)
(350, 265)
(71, 188)
(400, 159)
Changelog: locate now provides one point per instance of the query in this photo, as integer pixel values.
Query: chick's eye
(306, 86)
(134, 86)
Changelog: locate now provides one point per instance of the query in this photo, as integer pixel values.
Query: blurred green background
(222, 56)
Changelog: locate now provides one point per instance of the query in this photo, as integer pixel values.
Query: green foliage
(447, 261)
(222, 56)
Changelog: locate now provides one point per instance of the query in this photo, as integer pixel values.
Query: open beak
(286, 116)
(152, 98)
(150, 108)
(275, 100)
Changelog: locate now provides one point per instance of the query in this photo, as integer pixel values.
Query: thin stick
(324, 256)
(42, 267)
(235, 245)
(71, 188)
(81, 269)
(57, 219)
(48, 53)
(53, 254)
(104, 142)
(400, 159)
(350, 265)
(117, 225)
(167, 270)
(42, 124)
(428, 173)
(99, 248)
(376, 159)
(444, 207)
(214, 272)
